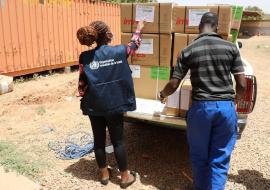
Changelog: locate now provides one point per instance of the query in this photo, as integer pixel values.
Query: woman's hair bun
(87, 35)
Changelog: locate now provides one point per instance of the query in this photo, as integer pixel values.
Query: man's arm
(240, 84)
(169, 89)
(179, 73)
(238, 71)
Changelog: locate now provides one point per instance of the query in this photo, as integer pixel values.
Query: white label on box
(185, 97)
(146, 47)
(136, 71)
(195, 16)
(146, 13)
(173, 100)
(4, 87)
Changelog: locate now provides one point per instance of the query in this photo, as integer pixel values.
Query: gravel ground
(46, 109)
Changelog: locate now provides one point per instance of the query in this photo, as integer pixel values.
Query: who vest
(110, 85)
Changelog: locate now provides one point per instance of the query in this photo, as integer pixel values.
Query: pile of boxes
(169, 28)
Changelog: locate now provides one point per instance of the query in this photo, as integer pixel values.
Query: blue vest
(110, 85)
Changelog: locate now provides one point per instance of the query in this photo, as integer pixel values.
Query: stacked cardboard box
(168, 30)
(151, 66)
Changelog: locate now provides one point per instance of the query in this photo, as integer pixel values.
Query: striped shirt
(211, 61)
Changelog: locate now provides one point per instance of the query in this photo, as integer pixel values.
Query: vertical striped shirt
(211, 61)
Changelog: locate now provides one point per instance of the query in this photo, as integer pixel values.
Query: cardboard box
(155, 49)
(173, 104)
(158, 17)
(194, 15)
(191, 38)
(185, 97)
(6, 84)
(180, 42)
(148, 81)
(179, 19)
(224, 20)
(125, 39)
(227, 37)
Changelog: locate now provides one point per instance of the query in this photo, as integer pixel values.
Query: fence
(38, 35)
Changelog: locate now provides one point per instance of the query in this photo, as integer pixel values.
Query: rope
(74, 146)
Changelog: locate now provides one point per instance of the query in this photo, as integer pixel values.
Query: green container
(234, 34)
(237, 12)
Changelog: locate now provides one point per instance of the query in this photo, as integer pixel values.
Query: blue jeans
(212, 134)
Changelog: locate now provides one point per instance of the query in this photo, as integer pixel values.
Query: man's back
(211, 61)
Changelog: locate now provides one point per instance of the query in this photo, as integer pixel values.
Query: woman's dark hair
(97, 31)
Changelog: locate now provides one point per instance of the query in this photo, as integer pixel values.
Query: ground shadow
(251, 179)
(159, 156)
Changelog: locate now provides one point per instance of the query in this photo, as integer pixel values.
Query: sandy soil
(46, 109)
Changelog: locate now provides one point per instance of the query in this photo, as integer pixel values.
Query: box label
(161, 73)
(195, 16)
(146, 47)
(136, 71)
(146, 13)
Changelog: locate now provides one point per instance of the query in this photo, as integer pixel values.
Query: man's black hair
(209, 18)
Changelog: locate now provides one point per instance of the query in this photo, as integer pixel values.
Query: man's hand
(140, 25)
(170, 88)
(162, 98)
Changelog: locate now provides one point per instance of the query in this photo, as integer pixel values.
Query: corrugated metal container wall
(38, 35)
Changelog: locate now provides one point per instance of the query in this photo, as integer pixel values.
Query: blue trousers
(212, 134)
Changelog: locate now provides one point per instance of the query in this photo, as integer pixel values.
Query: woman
(106, 88)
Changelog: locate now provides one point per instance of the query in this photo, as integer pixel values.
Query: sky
(263, 4)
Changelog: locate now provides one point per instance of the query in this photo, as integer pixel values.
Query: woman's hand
(140, 25)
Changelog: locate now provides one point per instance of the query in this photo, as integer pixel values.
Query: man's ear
(200, 27)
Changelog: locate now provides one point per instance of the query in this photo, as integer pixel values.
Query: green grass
(13, 160)
(41, 110)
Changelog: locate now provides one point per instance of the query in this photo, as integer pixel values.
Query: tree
(254, 9)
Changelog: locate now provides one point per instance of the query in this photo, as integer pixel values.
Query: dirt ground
(46, 110)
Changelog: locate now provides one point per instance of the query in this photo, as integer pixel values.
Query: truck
(148, 111)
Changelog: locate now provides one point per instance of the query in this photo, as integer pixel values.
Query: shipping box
(180, 42)
(158, 17)
(172, 107)
(6, 84)
(194, 15)
(185, 97)
(155, 49)
(224, 20)
(180, 101)
(148, 81)
(191, 38)
(179, 19)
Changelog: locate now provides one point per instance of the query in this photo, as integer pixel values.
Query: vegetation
(12, 160)
(254, 9)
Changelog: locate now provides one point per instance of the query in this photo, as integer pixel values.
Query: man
(212, 119)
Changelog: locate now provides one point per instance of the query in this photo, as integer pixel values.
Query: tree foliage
(255, 9)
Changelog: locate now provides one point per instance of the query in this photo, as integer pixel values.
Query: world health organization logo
(94, 65)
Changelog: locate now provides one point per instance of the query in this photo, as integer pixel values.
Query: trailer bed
(150, 111)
